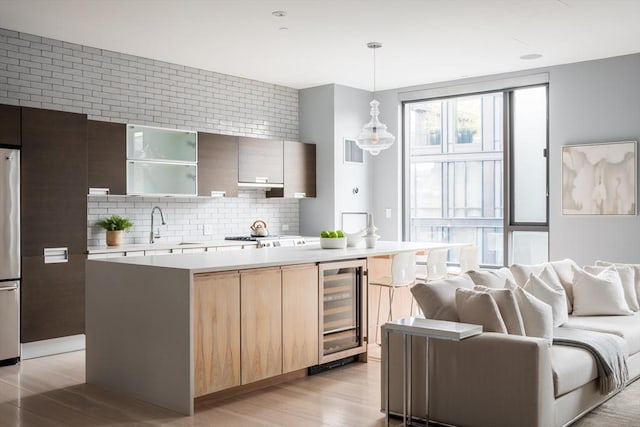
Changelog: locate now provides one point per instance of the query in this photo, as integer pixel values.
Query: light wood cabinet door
(261, 324)
(299, 317)
(216, 331)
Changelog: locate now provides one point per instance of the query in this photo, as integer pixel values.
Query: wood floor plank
(51, 392)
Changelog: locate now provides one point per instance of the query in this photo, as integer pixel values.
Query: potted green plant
(115, 225)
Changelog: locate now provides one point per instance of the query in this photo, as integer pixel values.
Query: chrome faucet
(152, 235)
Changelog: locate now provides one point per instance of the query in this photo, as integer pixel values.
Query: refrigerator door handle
(9, 288)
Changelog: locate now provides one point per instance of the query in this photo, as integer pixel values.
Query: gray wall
(328, 114)
(316, 124)
(593, 101)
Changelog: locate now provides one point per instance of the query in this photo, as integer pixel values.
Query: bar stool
(436, 266)
(468, 261)
(403, 274)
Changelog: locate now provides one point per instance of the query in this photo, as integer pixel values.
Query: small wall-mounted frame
(352, 153)
(599, 179)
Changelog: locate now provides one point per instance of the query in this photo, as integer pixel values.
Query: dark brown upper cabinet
(299, 171)
(10, 125)
(260, 161)
(217, 165)
(107, 154)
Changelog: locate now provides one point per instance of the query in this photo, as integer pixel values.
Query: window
(455, 189)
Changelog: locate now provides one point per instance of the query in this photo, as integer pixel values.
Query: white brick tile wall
(186, 217)
(111, 86)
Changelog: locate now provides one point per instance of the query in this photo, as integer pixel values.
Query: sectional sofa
(504, 379)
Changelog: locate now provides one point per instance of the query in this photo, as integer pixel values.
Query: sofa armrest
(488, 380)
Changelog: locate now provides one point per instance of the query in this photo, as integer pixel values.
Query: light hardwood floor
(50, 391)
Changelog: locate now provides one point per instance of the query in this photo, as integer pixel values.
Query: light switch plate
(208, 229)
(387, 213)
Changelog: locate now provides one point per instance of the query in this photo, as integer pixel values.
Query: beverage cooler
(343, 294)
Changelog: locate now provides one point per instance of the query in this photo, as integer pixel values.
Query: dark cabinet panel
(107, 156)
(299, 171)
(54, 181)
(9, 125)
(260, 159)
(217, 164)
(52, 302)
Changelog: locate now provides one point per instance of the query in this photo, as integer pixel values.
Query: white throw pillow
(627, 279)
(564, 271)
(598, 295)
(536, 315)
(479, 308)
(495, 279)
(556, 298)
(508, 307)
(636, 273)
(550, 277)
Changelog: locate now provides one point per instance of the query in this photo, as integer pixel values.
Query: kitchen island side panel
(138, 331)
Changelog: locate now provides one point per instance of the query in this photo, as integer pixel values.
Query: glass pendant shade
(374, 136)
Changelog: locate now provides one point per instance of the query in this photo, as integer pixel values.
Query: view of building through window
(455, 153)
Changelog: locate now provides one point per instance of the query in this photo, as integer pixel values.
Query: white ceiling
(423, 41)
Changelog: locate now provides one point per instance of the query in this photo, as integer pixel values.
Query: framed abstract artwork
(599, 179)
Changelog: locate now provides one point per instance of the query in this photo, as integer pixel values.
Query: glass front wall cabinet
(161, 161)
(342, 310)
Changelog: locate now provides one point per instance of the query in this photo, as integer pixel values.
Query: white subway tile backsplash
(187, 217)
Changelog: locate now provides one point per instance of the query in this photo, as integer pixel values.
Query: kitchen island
(173, 329)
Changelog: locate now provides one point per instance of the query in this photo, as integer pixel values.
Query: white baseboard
(35, 349)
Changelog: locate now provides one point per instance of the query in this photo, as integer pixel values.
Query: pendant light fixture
(374, 136)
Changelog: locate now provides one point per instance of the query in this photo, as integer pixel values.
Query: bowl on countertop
(354, 239)
(333, 242)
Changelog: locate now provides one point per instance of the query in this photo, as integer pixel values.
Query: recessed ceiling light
(279, 13)
(531, 56)
(283, 28)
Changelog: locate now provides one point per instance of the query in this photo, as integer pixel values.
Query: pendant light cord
(374, 73)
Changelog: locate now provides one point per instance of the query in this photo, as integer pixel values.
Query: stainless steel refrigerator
(9, 256)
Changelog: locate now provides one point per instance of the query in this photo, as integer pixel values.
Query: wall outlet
(285, 227)
(387, 213)
(208, 229)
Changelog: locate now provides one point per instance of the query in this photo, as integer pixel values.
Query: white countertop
(166, 245)
(268, 257)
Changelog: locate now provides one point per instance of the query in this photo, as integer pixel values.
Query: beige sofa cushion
(627, 327)
(536, 315)
(598, 295)
(560, 273)
(572, 368)
(479, 308)
(521, 272)
(555, 297)
(491, 278)
(437, 299)
(508, 307)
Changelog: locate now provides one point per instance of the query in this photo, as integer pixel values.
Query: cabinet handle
(262, 179)
(98, 191)
(299, 195)
(55, 255)
(217, 193)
